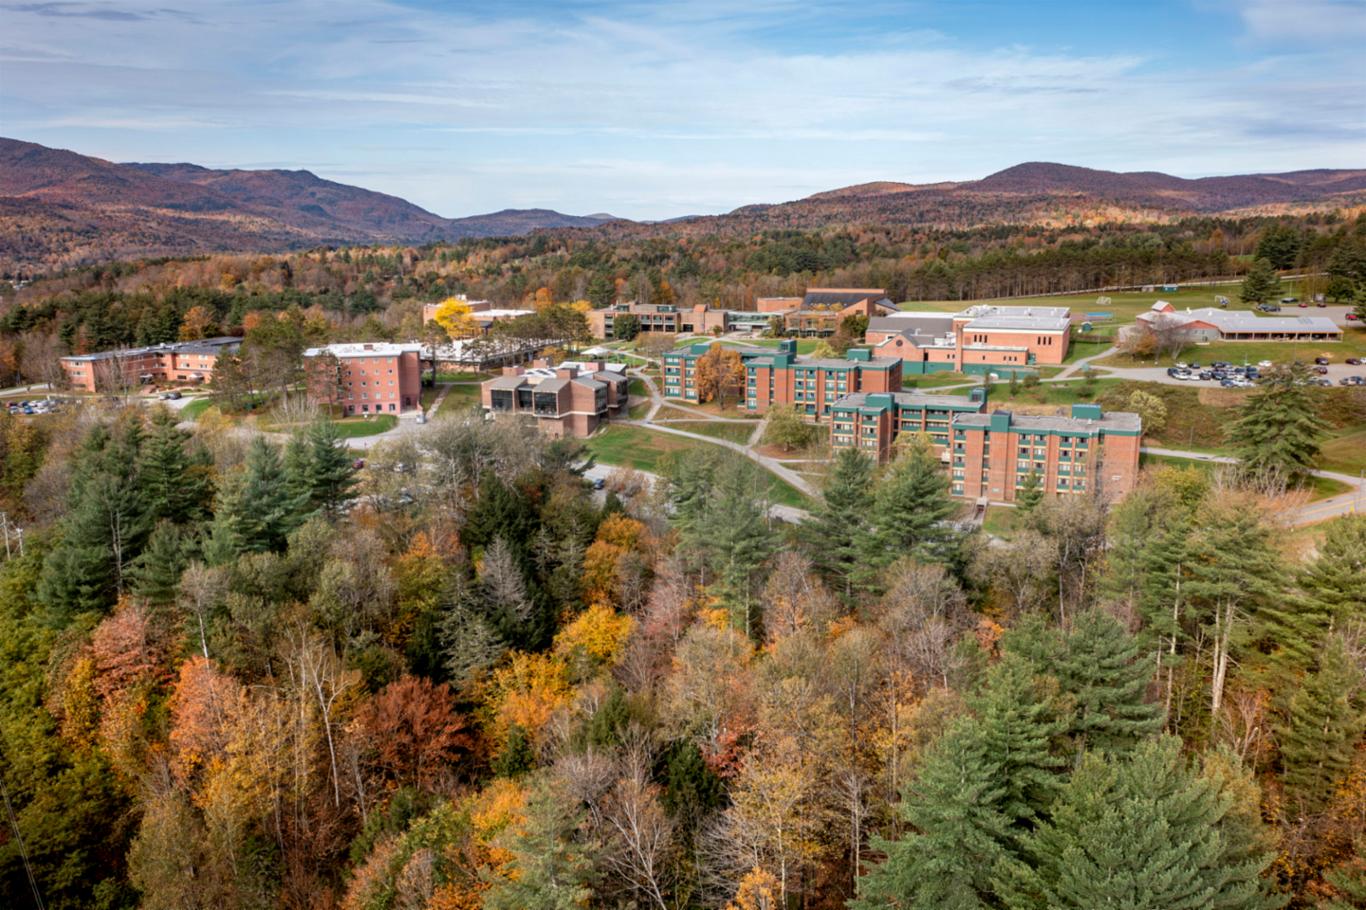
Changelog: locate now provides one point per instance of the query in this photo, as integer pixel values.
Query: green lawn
(1353, 344)
(734, 432)
(1345, 454)
(636, 447)
(194, 409)
(459, 398)
(463, 377)
(347, 427)
(1124, 305)
(642, 449)
(1001, 521)
(1068, 392)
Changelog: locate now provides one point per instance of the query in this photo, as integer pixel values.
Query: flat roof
(1247, 321)
(201, 346)
(1123, 421)
(365, 349)
(911, 399)
(981, 310)
(1039, 323)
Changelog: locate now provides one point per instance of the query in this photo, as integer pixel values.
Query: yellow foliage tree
(197, 323)
(720, 375)
(597, 635)
(454, 315)
(525, 692)
(758, 891)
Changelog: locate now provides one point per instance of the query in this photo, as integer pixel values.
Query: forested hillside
(238, 675)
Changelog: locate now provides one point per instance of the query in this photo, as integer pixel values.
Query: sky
(660, 109)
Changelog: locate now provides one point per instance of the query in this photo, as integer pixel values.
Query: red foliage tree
(412, 733)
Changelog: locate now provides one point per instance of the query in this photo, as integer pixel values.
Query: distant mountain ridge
(59, 208)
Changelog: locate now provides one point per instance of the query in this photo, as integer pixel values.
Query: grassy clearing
(1002, 521)
(463, 377)
(1353, 344)
(459, 398)
(1345, 453)
(733, 432)
(642, 449)
(1058, 394)
(1319, 487)
(195, 409)
(347, 427)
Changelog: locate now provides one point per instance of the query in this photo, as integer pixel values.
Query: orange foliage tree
(412, 732)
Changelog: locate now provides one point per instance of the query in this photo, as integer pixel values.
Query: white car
(1265, 363)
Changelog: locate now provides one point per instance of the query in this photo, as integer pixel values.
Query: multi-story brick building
(365, 377)
(813, 384)
(1090, 452)
(983, 338)
(822, 310)
(182, 362)
(571, 399)
(699, 319)
(873, 421)
(783, 377)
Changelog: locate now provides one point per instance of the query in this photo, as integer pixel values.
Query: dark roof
(844, 297)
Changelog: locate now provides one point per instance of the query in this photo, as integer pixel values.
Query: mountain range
(60, 209)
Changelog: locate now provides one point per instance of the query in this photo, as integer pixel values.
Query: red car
(1303, 305)
(1352, 316)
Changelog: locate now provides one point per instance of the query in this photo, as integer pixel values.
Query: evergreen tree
(1029, 493)
(1261, 283)
(737, 537)
(255, 509)
(551, 869)
(178, 485)
(105, 528)
(1278, 428)
(1099, 664)
(1348, 882)
(1021, 725)
(1139, 831)
(911, 506)
(156, 572)
(835, 532)
(958, 836)
(327, 467)
(1324, 721)
(1334, 582)
(1279, 246)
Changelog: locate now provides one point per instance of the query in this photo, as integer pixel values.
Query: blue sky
(652, 110)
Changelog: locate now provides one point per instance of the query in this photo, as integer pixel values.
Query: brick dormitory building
(988, 455)
(981, 339)
(365, 377)
(571, 399)
(180, 362)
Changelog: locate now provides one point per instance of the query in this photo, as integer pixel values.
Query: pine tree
(1139, 831)
(1335, 581)
(105, 528)
(156, 572)
(331, 468)
(1100, 666)
(1029, 493)
(255, 509)
(550, 869)
(911, 506)
(836, 529)
(178, 485)
(1021, 726)
(959, 832)
(736, 535)
(1261, 283)
(1278, 428)
(1324, 721)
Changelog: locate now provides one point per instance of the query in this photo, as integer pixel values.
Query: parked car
(1324, 382)
(1206, 374)
(1352, 317)
(170, 396)
(1269, 307)
(1265, 363)
(599, 483)
(1354, 361)
(1304, 306)
(1321, 370)
(1321, 361)
(1350, 380)
(1290, 300)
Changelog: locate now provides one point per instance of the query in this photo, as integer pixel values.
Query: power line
(23, 850)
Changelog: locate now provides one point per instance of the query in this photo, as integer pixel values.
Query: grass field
(1353, 344)
(459, 398)
(1068, 392)
(347, 427)
(1001, 521)
(733, 432)
(1345, 453)
(463, 377)
(1319, 487)
(1123, 306)
(643, 449)
(194, 409)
